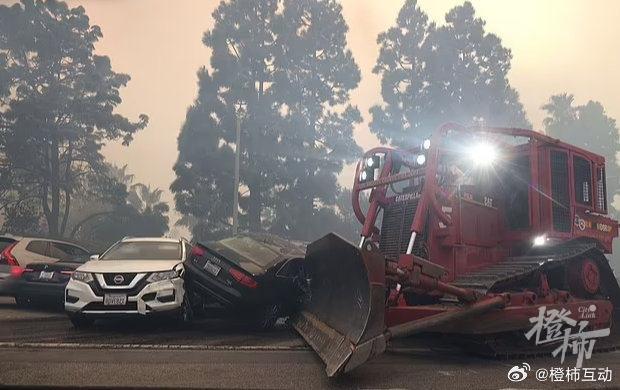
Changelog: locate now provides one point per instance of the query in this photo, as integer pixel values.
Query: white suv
(135, 276)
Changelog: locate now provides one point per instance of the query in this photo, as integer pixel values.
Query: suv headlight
(85, 277)
(159, 276)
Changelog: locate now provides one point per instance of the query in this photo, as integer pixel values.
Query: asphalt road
(40, 347)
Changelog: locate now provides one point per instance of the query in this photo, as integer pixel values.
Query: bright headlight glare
(369, 162)
(540, 240)
(85, 277)
(483, 154)
(363, 176)
(421, 159)
(426, 144)
(159, 276)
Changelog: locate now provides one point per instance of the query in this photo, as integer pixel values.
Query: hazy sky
(557, 46)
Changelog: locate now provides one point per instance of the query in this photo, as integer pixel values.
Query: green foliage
(347, 224)
(588, 127)
(58, 104)
(430, 75)
(22, 217)
(285, 66)
(112, 207)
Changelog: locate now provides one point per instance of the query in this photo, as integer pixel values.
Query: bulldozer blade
(343, 316)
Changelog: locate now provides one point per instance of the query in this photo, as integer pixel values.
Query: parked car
(46, 282)
(135, 276)
(19, 253)
(259, 277)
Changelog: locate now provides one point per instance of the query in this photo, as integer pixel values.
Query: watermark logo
(574, 374)
(551, 326)
(587, 312)
(519, 373)
(558, 327)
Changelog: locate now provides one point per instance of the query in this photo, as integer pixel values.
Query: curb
(156, 346)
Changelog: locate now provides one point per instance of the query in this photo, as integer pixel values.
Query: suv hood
(109, 266)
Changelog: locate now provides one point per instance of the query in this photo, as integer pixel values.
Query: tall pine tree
(430, 75)
(285, 66)
(314, 75)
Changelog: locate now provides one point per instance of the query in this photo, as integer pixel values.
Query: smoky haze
(557, 46)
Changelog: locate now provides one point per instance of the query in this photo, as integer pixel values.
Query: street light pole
(236, 188)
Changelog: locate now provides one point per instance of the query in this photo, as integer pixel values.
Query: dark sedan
(258, 277)
(46, 282)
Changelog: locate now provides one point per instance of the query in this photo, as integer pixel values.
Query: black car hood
(257, 253)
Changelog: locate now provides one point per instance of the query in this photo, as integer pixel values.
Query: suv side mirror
(94, 257)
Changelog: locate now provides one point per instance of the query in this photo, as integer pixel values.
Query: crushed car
(257, 277)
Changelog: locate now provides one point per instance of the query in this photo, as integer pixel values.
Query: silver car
(17, 253)
(135, 276)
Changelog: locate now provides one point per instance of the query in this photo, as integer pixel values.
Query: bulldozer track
(498, 277)
(514, 268)
(514, 345)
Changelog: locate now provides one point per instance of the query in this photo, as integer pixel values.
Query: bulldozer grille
(396, 230)
(559, 191)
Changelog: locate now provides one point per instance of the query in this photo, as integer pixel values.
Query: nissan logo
(118, 279)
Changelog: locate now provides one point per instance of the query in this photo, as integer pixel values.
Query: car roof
(11, 236)
(43, 238)
(151, 239)
(257, 252)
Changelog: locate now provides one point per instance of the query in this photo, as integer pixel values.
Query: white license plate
(46, 275)
(114, 299)
(212, 268)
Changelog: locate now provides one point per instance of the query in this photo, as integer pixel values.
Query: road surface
(41, 348)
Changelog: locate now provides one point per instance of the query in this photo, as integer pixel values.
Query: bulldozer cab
(483, 187)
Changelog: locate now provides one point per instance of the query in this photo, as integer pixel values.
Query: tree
(112, 206)
(588, 127)
(285, 66)
(142, 197)
(314, 74)
(60, 109)
(430, 75)
(347, 225)
(203, 188)
(22, 217)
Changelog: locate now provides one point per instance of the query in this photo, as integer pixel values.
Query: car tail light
(68, 273)
(242, 278)
(7, 257)
(198, 251)
(17, 271)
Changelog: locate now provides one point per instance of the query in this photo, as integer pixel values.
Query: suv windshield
(146, 250)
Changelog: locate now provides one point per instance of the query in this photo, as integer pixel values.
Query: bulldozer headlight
(540, 240)
(372, 162)
(482, 154)
(426, 144)
(421, 159)
(371, 166)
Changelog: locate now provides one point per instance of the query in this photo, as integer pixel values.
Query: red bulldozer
(470, 234)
